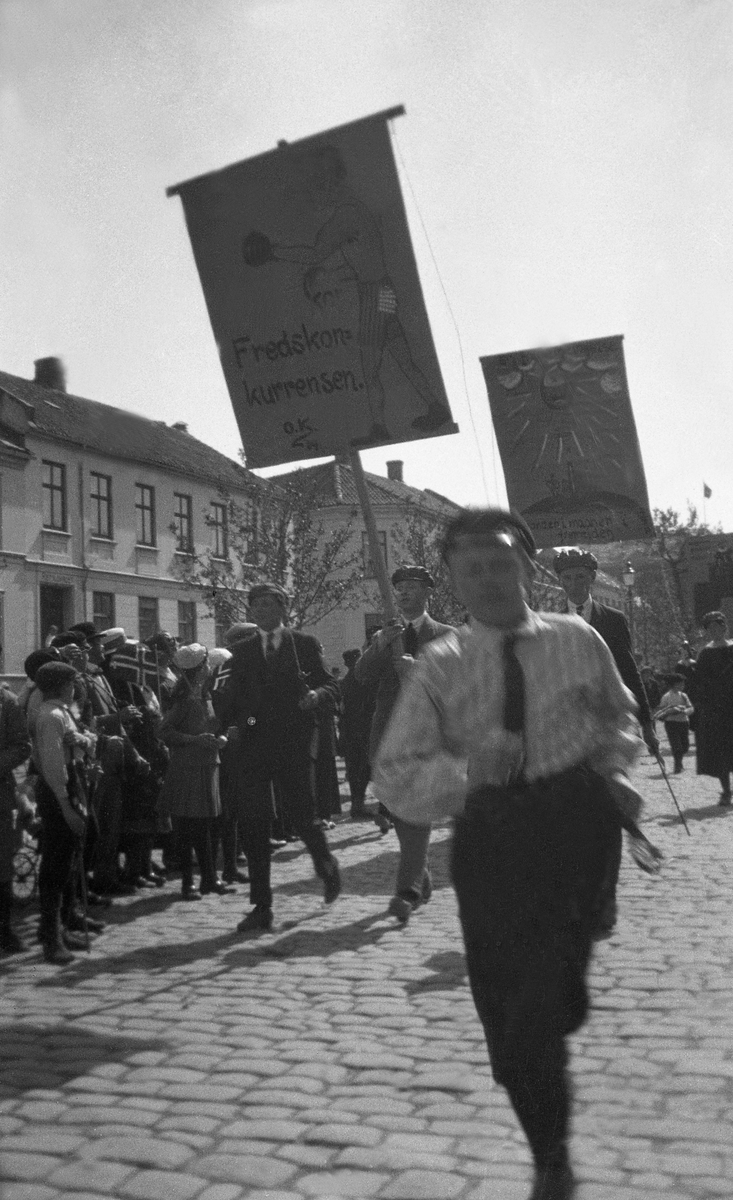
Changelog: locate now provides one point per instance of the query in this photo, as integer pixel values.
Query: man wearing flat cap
(518, 726)
(383, 665)
(276, 683)
(576, 570)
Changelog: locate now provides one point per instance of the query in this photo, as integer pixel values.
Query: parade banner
(310, 280)
(568, 443)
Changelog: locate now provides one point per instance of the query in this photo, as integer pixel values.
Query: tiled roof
(121, 434)
(334, 484)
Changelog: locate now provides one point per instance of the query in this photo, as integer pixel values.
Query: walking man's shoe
(400, 908)
(260, 918)
(332, 883)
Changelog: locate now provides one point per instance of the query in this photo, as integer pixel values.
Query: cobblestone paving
(340, 1055)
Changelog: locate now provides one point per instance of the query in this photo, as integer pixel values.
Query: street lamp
(629, 574)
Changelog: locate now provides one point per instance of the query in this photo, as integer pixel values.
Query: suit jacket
(376, 668)
(614, 629)
(261, 699)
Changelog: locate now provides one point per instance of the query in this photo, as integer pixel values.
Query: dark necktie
(579, 609)
(270, 649)
(409, 640)
(513, 687)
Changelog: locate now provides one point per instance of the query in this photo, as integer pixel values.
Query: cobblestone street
(340, 1055)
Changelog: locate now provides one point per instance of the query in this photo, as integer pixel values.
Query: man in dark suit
(385, 662)
(576, 570)
(276, 683)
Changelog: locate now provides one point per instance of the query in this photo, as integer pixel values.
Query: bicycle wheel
(25, 876)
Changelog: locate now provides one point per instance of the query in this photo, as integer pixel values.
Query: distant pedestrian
(675, 711)
(711, 692)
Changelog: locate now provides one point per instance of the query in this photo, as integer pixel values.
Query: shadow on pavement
(39, 1056)
(450, 972)
(374, 877)
(710, 811)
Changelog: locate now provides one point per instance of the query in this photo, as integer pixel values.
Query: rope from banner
(406, 174)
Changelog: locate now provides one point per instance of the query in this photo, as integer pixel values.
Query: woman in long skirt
(711, 692)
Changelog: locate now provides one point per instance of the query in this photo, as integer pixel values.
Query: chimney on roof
(181, 426)
(50, 373)
(394, 470)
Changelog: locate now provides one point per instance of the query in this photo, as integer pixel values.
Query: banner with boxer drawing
(568, 444)
(307, 268)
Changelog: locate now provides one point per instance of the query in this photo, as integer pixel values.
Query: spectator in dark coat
(277, 682)
(15, 747)
(711, 692)
(357, 707)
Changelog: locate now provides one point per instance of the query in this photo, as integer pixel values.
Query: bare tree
(276, 532)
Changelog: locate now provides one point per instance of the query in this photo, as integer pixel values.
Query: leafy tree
(276, 532)
(671, 544)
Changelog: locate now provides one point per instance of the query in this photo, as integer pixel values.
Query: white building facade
(100, 508)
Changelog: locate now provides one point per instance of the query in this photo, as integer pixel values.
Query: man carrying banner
(277, 681)
(576, 570)
(518, 725)
(385, 663)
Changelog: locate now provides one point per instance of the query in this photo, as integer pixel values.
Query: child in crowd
(675, 710)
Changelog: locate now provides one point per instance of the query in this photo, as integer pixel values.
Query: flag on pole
(307, 268)
(706, 491)
(568, 443)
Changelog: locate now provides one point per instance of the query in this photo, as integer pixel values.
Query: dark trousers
(527, 866)
(292, 777)
(678, 735)
(59, 848)
(356, 761)
(193, 835)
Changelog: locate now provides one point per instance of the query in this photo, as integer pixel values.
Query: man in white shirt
(519, 726)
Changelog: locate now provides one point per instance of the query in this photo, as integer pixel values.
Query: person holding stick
(385, 663)
(519, 726)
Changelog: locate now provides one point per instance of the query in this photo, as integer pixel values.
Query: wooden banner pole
(375, 549)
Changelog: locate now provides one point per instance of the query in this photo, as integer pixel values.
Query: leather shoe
(383, 823)
(400, 908)
(258, 918)
(190, 893)
(217, 888)
(235, 877)
(75, 922)
(73, 941)
(332, 883)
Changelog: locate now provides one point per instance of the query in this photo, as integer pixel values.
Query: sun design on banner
(561, 410)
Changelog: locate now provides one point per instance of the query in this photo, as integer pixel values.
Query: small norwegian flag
(706, 491)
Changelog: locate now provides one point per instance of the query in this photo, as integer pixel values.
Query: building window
(54, 495)
(366, 556)
(147, 617)
(101, 497)
(145, 514)
(183, 522)
(219, 525)
(103, 610)
(187, 621)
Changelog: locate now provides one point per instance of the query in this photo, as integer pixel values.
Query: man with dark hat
(277, 682)
(576, 570)
(518, 725)
(384, 664)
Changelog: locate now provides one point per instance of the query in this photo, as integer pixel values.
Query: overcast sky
(566, 166)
